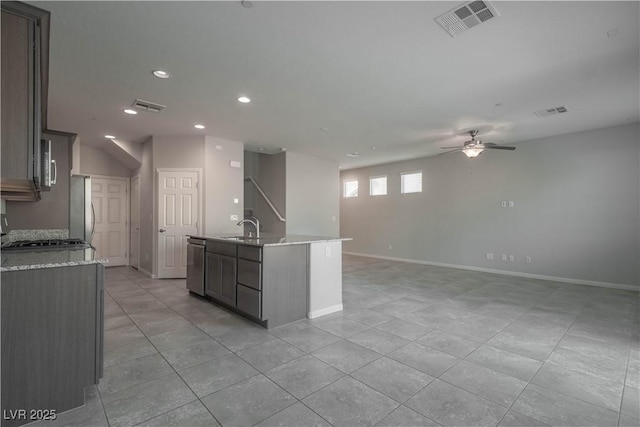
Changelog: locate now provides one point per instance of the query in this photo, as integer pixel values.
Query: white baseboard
(506, 273)
(324, 311)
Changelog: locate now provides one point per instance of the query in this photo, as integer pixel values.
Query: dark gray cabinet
(249, 287)
(220, 262)
(52, 337)
(250, 274)
(25, 35)
(249, 301)
(268, 284)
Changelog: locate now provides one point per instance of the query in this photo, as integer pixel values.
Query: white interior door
(134, 257)
(110, 238)
(178, 211)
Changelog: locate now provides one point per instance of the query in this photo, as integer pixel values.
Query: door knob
(162, 230)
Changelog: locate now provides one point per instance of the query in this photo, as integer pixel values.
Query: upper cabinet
(25, 58)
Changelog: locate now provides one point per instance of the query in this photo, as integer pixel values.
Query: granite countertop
(274, 240)
(38, 258)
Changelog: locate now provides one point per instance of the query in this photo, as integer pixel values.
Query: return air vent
(466, 16)
(140, 104)
(551, 111)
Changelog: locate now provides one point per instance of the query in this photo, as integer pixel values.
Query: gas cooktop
(47, 244)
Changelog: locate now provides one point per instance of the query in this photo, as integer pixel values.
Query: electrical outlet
(527, 259)
(511, 203)
(489, 255)
(504, 257)
(236, 201)
(512, 257)
(503, 203)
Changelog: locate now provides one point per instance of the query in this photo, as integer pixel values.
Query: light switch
(233, 218)
(503, 204)
(218, 147)
(327, 252)
(511, 204)
(235, 164)
(236, 201)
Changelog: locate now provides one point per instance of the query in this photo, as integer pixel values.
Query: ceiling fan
(474, 147)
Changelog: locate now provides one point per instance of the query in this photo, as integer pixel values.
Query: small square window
(350, 188)
(378, 186)
(411, 182)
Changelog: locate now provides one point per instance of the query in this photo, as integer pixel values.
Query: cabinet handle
(54, 178)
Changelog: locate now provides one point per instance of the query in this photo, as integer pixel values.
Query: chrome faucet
(255, 222)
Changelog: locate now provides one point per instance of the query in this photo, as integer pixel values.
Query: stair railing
(265, 197)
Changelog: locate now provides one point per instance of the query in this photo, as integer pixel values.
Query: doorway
(178, 216)
(110, 200)
(134, 256)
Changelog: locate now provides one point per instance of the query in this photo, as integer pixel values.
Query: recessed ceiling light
(260, 149)
(373, 147)
(354, 154)
(109, 136)
(130, 111)
(198, 126)
(161, 74)
(244, 99)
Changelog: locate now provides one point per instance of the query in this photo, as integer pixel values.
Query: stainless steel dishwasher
(195, 265)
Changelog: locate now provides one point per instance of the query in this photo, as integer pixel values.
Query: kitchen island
(52, 331)
(272, 280)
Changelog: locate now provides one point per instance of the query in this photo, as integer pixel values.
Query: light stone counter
(27, 259)
(274, 240)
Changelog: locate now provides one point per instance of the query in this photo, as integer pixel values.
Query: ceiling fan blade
(452, 151)
(499, 147)
(451, 148)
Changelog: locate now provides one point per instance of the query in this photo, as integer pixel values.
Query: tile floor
(415, 346)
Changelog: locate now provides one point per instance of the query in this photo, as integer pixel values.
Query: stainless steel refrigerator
(81, 213)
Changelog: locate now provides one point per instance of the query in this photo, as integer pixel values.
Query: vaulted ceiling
(332, 78)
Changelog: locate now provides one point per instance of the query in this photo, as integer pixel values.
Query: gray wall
(313, 201)
(576, 213)
(178, 151)
(147, 211)
(52, 210)
(223, 184)
(94, 161)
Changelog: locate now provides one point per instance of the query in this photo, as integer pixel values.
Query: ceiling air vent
(551, 111)
(466, 16)
(140, 104)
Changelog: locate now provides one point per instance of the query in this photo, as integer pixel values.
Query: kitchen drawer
(252, 253)
(228, 249)
(249, 301)
(249, 274)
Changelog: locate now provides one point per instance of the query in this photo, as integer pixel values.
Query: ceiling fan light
(472, 152)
